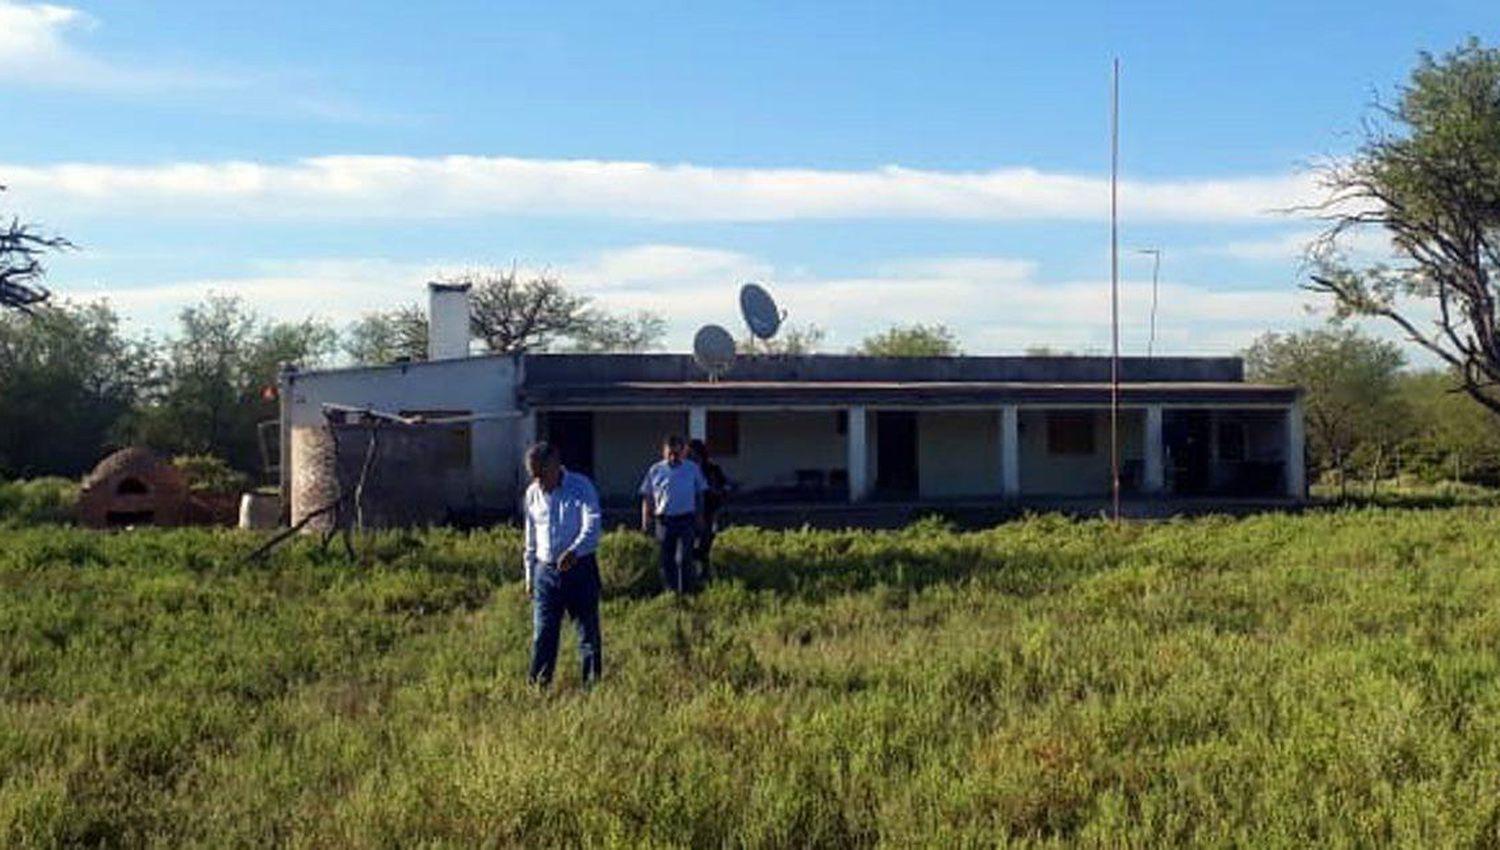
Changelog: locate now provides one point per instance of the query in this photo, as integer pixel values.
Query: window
(1232, 441)
(1070, 433)
(723, 433)
(131, 487)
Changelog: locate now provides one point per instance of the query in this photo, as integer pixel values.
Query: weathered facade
(829, 429)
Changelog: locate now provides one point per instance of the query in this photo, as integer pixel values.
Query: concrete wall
(1045, 474)
(775, 444)
(958, 453)
(625, 443)
(480, 385)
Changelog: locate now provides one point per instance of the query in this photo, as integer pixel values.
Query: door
(573, 434)
(896, 454)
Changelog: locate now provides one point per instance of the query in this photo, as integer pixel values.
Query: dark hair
(672, 441)
(538, 454)
(698, 447)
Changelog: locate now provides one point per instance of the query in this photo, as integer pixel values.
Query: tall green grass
(1331, 679)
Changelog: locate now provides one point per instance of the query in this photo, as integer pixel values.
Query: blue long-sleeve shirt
(567, 519)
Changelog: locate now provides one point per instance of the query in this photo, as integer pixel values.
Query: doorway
(572, 431)
(896, 454)
(1188, 442)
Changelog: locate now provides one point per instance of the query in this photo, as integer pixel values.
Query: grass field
(1331, 679)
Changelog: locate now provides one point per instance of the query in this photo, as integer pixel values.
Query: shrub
(210, 474)
(38, 501)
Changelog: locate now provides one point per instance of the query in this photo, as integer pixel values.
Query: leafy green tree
(219, 376)
(68, 383)
(1349, 380)
(1452, 436)
(388, 336)
(915, 340)
(1427, 177)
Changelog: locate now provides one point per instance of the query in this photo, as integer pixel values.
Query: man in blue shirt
(672, 500)
(562, 574)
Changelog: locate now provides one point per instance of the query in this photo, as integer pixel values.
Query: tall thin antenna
(1155, 275)
(1114, 291)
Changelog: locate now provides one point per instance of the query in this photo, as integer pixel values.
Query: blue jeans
(676, 534)
(575, 593)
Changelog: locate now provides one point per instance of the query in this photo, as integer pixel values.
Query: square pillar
(1153, 475)
(1296, 463)
(859, 468)
(1010, 452)
(698, 423)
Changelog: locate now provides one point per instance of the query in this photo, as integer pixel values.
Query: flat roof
(894, 393)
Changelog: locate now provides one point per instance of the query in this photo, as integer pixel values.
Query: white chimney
(447, 320)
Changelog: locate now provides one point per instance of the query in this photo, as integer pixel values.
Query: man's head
(544, 465)
(697, 451)
(672, 449)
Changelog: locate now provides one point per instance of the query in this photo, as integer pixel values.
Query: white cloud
(38, 46)
(995, 304)
(457, 186)
(1365, 245)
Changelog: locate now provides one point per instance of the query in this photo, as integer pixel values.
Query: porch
(798, 459)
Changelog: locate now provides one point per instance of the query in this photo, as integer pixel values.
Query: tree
(21, 250)
(1452, 436)
(603, 332)
(915, 340)
(791, 340)
(1428, 176)
(388, 336)
(219, 376)
(512, 314)
(69, 381)
(1349, 380)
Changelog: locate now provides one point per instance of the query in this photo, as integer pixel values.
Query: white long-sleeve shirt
(566, 519)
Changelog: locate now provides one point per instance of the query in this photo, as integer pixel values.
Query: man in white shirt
(672, 502)
(562, 574)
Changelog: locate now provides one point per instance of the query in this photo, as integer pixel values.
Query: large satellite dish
(759, 310)
(713, 349)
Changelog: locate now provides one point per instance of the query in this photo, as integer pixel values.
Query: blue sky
(873, 163)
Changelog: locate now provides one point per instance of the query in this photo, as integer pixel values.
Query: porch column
(859, 484)
(1296, 464)
(698, 423)
(1010, 452)
(1152, 476)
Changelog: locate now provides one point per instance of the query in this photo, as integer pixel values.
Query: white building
(818, 430)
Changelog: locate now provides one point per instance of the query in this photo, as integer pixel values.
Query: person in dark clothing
(713, 501)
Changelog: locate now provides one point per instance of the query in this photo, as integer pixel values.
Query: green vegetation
(39, 501)
(1325, 679)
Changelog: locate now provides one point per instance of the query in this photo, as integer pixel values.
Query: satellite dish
(759, 310)
(713, 349)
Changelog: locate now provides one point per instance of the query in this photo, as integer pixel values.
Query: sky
(871, 163)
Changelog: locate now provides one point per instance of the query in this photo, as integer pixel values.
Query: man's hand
(565, 563)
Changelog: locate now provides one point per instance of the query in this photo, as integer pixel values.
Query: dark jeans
(575, 593)
(705, 547)
(676, 534)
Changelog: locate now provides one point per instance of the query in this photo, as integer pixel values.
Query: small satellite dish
(713, 349)
(759, 310)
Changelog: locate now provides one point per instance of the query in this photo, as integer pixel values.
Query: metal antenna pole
(1114, 291)
(1155, 275)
